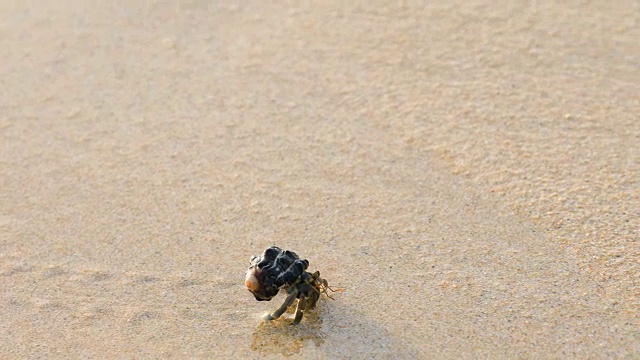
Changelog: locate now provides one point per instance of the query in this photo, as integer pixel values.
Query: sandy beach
(468, 171)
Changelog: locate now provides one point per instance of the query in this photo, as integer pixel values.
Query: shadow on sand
(334, 330)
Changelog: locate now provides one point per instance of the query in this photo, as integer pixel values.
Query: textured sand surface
(470, 173)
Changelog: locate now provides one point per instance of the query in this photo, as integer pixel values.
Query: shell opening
(251, 281)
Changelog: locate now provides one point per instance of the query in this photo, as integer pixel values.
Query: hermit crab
(279, 269)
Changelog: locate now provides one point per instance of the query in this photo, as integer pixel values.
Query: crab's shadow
(333, 329)
(280, 337)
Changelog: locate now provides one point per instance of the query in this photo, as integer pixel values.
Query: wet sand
(468, 172)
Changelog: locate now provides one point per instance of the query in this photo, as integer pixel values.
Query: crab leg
(301, 303)
(287, 302)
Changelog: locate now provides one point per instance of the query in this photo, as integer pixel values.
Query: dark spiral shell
(273, 270)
